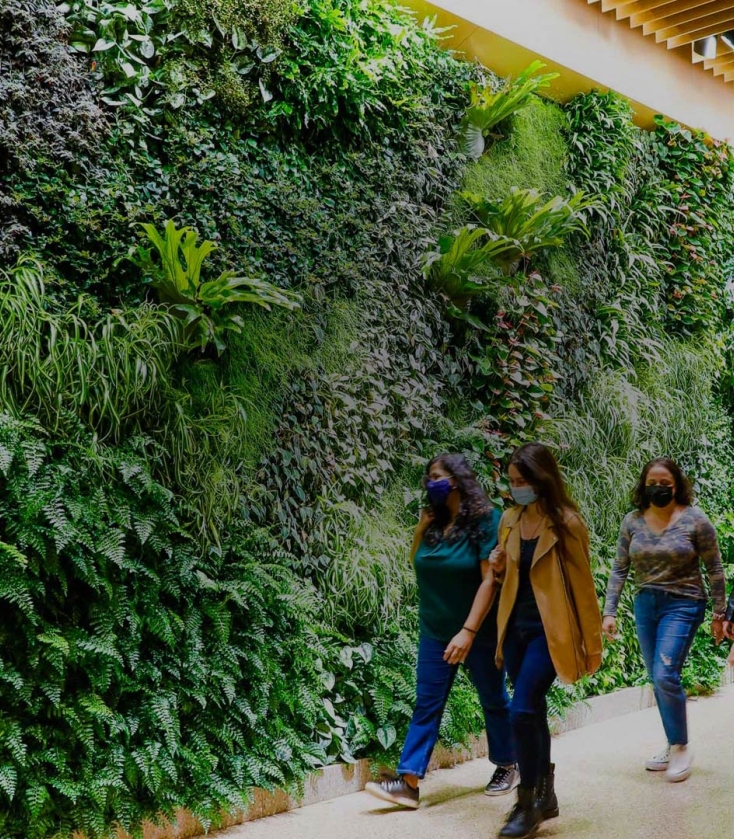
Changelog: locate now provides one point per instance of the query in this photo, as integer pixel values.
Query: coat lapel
(547, 537)
(546, 540)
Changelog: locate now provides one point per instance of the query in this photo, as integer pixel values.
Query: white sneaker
(679, 766)
(659, 762)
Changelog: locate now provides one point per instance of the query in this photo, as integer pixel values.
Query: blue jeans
(435, 678)
(666, 627)
(532, 673)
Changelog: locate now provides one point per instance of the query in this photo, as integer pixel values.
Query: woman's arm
(620, 570)
(459, 646)
(708, 550)
(581, 581)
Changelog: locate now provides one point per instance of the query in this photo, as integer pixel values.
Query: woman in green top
(456, 533)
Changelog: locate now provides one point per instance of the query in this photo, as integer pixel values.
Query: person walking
(458, 625)
(549, 621)
(665, 540)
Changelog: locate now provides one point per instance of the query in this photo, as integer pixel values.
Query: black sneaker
(396, 791)
(504, 780)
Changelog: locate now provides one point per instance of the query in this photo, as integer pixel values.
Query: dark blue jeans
(666, 627)
(435, 678)
(532, 673)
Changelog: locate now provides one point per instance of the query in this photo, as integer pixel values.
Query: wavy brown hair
(683, 488)
(474, 502)
(536, 463)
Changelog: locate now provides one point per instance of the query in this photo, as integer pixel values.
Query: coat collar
(547, 536)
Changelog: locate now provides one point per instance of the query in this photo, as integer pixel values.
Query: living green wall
(205, 578)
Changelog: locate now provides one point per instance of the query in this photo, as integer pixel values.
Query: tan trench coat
(564, 590)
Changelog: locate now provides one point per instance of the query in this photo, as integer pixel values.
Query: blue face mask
(524, 495)
(438, 491)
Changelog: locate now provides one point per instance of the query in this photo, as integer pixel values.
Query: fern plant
(490, 106)
(203, 305)
(528, 223)
(452, 267)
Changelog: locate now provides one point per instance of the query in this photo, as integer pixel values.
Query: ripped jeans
(666, 626)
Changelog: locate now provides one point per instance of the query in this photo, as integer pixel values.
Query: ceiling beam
(684, 11)
(722, 68)
(624, 8)
(678, 36)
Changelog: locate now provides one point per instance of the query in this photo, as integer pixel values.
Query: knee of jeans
(665, 677)
(520, 718)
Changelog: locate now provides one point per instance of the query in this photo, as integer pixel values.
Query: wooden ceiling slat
(721, 60)
(679, 36)
(688, 13)
(689, 37)
(624, 8)
(679, 23)
(672, 7)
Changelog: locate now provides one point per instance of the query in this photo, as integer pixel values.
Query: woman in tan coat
(549, 621)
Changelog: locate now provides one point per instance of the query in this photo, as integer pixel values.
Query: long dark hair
(683, 489)
(474, 502)
(536, 463)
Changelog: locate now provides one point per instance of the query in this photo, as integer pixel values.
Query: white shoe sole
(656, 767)
(497, 794)
(680, 776)
(375, 790)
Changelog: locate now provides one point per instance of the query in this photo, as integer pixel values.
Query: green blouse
(449, 574)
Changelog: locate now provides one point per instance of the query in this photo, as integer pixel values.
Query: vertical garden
(258, 262)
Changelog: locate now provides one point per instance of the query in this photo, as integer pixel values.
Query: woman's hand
(458, 648)
(717, 631)
(729, 630)
(498, 561)
(609, 627)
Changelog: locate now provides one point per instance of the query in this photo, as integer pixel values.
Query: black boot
(545, 798)
(524, 818)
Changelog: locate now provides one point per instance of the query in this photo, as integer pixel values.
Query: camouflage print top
(670, 560)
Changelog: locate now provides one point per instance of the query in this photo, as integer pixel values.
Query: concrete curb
(342, 779)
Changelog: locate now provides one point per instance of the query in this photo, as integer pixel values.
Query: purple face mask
(438, 491)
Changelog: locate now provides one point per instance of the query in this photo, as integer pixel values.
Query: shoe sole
(656, 767)
(392, 799)
(550, 814)
(529, 835)
(676, 779)
(498, 793)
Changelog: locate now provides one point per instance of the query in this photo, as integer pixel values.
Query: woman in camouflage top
(665, 540)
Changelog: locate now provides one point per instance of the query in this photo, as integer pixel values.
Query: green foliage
(202, 304)
(529, 224)
(622, 265)
(699, 174)
(48, 113)
(602, 138)
(141, 676)
(369, 575)
(153, 57)
(491, 104)
(516, 370)
(124, 42)
(531, 157)
(113, 372)
(166, 651)
(452, 266)
(360, 66)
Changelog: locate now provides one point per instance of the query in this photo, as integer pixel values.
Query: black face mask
(659, 496)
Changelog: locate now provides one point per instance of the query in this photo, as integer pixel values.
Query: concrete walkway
(603, 789)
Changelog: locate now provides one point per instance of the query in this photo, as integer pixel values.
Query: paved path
(603, 788)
